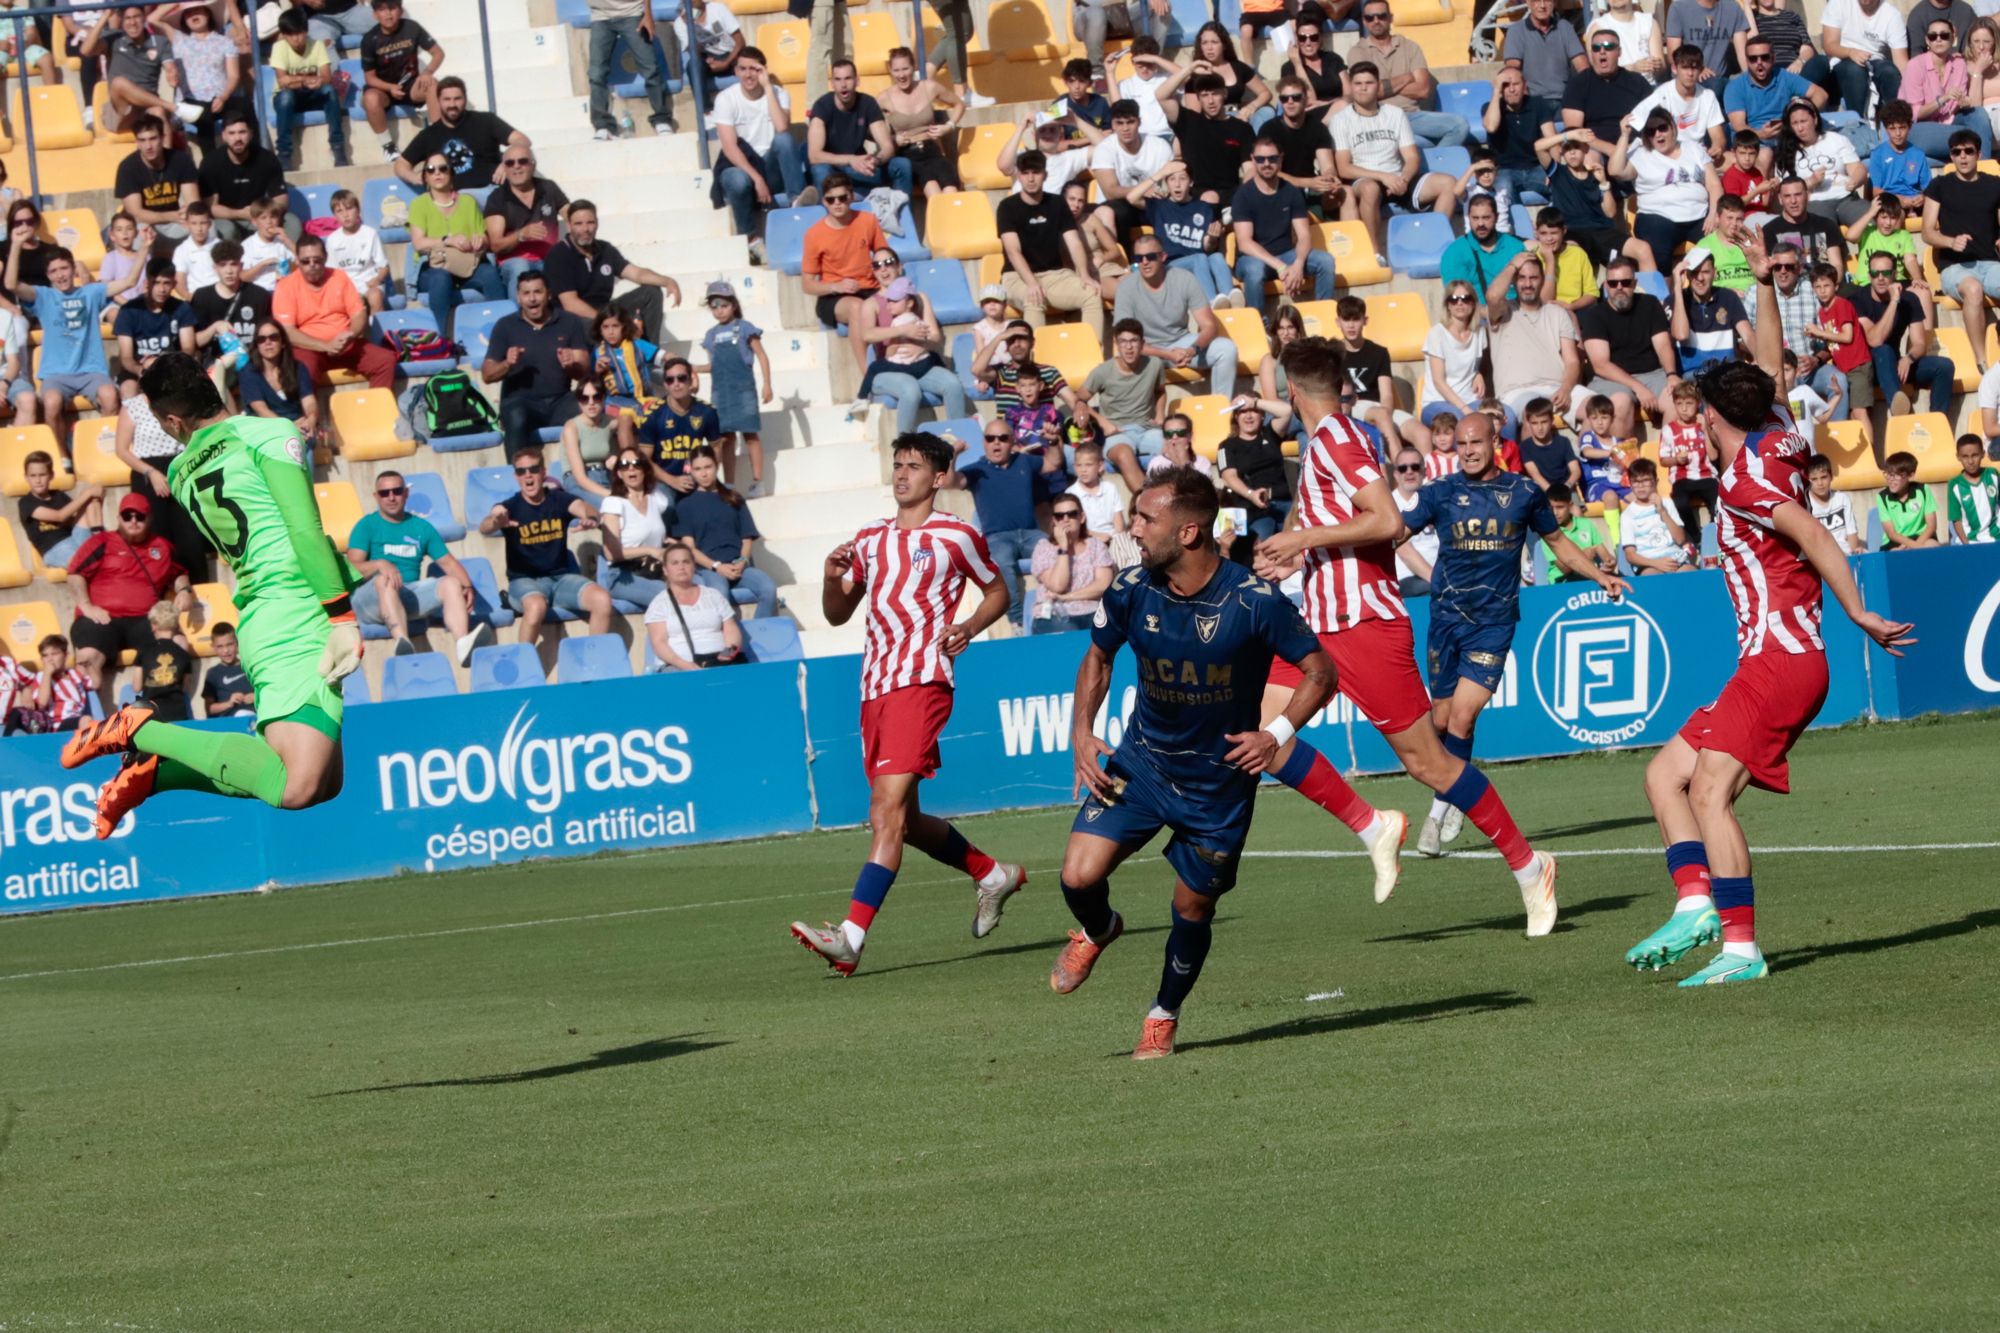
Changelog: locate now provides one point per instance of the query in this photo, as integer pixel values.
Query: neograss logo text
(539, 771)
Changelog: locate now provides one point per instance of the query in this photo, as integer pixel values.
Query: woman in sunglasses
(1414, 557)
(1312, 61)
(1455, 356)
(1677, 189)
(448, 231)
(591, 437)
(1072, 569)
(272, 383)
(874, 329)
(635, 514)
(1938, 85)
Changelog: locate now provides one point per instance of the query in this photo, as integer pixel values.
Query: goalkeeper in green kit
(246, 482)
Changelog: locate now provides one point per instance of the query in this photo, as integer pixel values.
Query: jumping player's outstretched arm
(1093, 683)
(291, 488)
(1767, 346)
(1820, 550)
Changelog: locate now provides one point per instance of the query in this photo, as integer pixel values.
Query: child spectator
(57, 525)
(1839, 330)
(125, 260)
(1881, 231)
(1582, 532)
(62, 692)
(17, 696)
(1482, 180)
(1743, 179)
(1103, 514)
(992, 325)
(1081, 103)
(1603, 461)
(1808, 408)
(356, 250)
(194, 257)
(1907, 511)
(166, 666)
(1546, 457)
(1895, 167)
(1443, 459)
(229, 307)
(71, 315)
(225, 687)
(1649, 526)
(627, 364)
(1973, 500)
(1690, 460)
(1036, 421)
(1835, 511)
(268, 256)
(304, 68)
(904, 354)
(734, 346)
(159, 323)
(1732, 269)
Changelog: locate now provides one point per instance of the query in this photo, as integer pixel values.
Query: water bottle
(285, 264)
(625, 123)
(232, 354)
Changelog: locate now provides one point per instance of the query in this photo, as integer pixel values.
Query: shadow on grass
(1425, 1011)
(977, 954)
(1942, 930)
(641, 1053)
(1593, 826)
(1610, 902)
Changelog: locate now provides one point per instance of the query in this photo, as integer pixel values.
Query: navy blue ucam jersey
(1203, 661)
(1481, 527)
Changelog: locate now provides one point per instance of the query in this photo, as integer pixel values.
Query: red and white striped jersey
(1777, 595)
(1685, 452)
(69, 696)
(914, 577)
(1344, 585)
(17, 685)
(1440, 464)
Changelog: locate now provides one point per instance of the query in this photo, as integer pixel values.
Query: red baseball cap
(137, 502)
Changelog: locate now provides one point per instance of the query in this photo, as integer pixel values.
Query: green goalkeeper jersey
(245, 482)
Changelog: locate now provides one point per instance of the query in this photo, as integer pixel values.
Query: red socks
(1490, 816)
(1320, 782)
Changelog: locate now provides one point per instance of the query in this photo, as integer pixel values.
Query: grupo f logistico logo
(1601, 669)
(539, 771)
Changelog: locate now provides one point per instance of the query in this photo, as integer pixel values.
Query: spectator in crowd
(1676, 185)
(156, 183)
(1534, 341)
(735, 350)
(837, 266)
(1407, 82)
(1982, 52)
(1285, 327)
(1107, 258)
(1580, 189)
(1454, 356)
(1103, 513)
(1214, 141)
(1697, 112)
(141, 82)
(1416, 556)
(1649, 525)
(1252, 460)
(1123, 161)
(1095, 21)
(1177, 448)
(904, 340)
(678, 425)
(847, 133)
(583, 271)
(1630, 346)
(1002, 366)
(1709, 321)
(326, 321)
(1038, 421)
(763, 164)
(1642, 46)
(635, 514)
(1544, 50)
(157, 322)
(1899, 340)
(275, 383)
(1126, 396)
(1833, 510)
(115, 577)
(1569, 272)
(1244, 91)
(1817, 239)
(124, 257)
(690, 625)
(399, 65)
(1061, 164)
(1319, 67)
(229, 305)
(1366, 365)
(912, 377)
(591, 437)
(1937, 86)
(1187, 228)
(1604, 456)
(714, 523)
(1755, 100)
(449, 234)
(194, 257)
(226, 690)
(1962, 225)
(1480, 255)
(1515, 126)
(268, 255)
(239, 176)
(1906, 508)
(1923, 13)
(922, 136)
(1825, 161)
(53, 700)
(1071, 567)
(1174, 316)
(1809, 409)
(1081, 104)
(303, 68)
(389, 547)
(523, 216)
(15, 363)
(475, 143)
(534, 523)
(1732, 266)
(1716, 28)
(1274, 233)
(211, 67)
(165, 666)
(1006, 486)
(57, 525)
(1869, 43)
(625, 366)
(1306, 144)
(535, 355)
(1973, 498)
(1690, 457)
(1047, 264)
(143, 446)
(626, 23)
(332, 20)
(69, 312)
(716, 38)
(1547, 456)
(355, 248)
(1898, 169)
(1583, 533)
(1375, 152)
(1597, 101)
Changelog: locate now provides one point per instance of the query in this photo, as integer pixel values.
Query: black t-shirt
(1580, 199)
(1039, 227)
(163, 670)
(42, 536)
(158, 189)
(394, 59)
(219, 683)
(847, 131)
(1630, 335)
(1260, 462)
(152, 331)
(1514, 144)
(1270, 215)
(1214, 150)
(539, 373)
(1605, 102)
(1326, 82)
(545, 206)
(1815, 238)
(245, 310)
(474, 147)
(1300, 145)
(1967, 208)
(1239, 92)
(1909, 311)
(593, 277)
(1367, 366)
(241, 184)
(1553, 458)
(538, 546)
(35, 266)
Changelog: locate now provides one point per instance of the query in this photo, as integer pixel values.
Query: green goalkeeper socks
(219, 762)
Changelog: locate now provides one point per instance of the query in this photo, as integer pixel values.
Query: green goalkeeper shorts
(282, 640)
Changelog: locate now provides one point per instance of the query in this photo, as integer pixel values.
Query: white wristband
(1282, 730)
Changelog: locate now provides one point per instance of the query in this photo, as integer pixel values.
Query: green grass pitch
(615, 1094)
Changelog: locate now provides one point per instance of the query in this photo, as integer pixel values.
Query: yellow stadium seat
(1398, 321)
(1245, 328)
(1319, 318)
(1954, 343)
(1353, 255)
(16, 445)
(960, 226)
(990, 268)
(43, 572)
(977, 52)
(339, 509)
(58, 117)
(1443, 44)
(784, 42)
(1209, 413)
(1011, 81)
(76, 230)
(1928, 436)
(92, 451)
(1071, 348)
(1026, 31)
(364, 425)
(1412, 13)
(340, 378)
(212, 606)
(99, 100)
(13, 574)
(23, 625)
(1849, 445)
(1946, 298)
(748, 8)
(875, 35)
(979, 155)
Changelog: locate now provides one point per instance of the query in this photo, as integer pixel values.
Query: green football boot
(1730, 967)
(1683, 931)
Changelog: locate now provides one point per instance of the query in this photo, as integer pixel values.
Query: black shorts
(1125, 218)
(1277, 18)
(828, 307)
(112, 637)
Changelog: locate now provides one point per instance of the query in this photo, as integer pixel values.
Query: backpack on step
(453, 405)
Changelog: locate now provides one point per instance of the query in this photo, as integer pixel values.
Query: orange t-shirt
(834, 254)
(323, 312)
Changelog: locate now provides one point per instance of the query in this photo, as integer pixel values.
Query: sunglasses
(1458, 298)
(1005, 439)
(527, 471)
(517, 161)
(129, 514)
(1177, 434)
(590, 398)
(1965, 150)
(385, 492)
(1291, 97)
(441, 166)
(270, 338)
(1763, 59)
(885, 263)
(1380, 16)
(1065, 513)
(1784, 268)
(1621, 282)
(1881, 272)
(677, 379)
(1943, 35)
(1148, 256)
(1604, 46)
(631, 465)
(835, 198)
(1266, 159)
(1409, 467)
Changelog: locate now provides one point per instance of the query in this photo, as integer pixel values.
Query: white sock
(1374, 830)
(1157, 1012)
(1440, 807)
(1530, 874)
(1699, 902)
(1744, 949)
(854, 934)
(388, 141)
(995, 877)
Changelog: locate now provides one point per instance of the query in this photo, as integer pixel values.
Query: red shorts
(1375, 663)
(900, 729)
(1762, 711)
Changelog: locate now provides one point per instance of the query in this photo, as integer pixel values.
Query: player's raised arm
(1767, 344)
(291, 488)
(1820, 551)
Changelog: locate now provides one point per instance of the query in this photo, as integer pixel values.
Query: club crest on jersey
(1091, 812)
(922, 554)
(1205, 627)
(1152, 624)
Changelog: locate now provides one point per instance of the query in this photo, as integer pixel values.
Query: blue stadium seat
(506, 666)
(484, 488)
(965, 428)
(773, 639)
(1468, 100)
(414, 318)
(373, 193)
(785, 237)
(576, 13)
(622, 605)
(486, 603)
(1523, 218)
(307, 202)
(1454, 161)
(942, 281)
(354, 689)
(472, 327)
(909, 246)
(592, 657)
(1029, 597)
(417, 676)
(666, 11)
(1183, 22)
(1417, 242)
(1655, 284)
(429, 501)
(961, 361)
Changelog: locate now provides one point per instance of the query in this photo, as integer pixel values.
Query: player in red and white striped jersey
(912, 570)
(1349, 524)
(1775, 556)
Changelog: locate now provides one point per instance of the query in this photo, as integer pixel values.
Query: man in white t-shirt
(1375, 151)
(1064, 164)
(1121, 160)
(717, 39)
(752, 123)
(1869, 43)
(1697, 115)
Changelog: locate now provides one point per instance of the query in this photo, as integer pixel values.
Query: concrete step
(823, 468)
(524, 52)
(818, 511)
(678, 255)
(456, 22)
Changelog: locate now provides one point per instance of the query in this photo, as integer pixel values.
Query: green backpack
(453, 405)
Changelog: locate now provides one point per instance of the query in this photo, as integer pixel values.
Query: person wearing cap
(115, 578)
(992, 325)
(1063, 159)
(909, 348)
(735, 350)
(1709, 321)
(211, 64)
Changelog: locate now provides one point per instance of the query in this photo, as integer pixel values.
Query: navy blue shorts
(1461, 651)
(1209, 832)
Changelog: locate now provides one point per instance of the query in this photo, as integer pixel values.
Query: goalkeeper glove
(341, 657)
